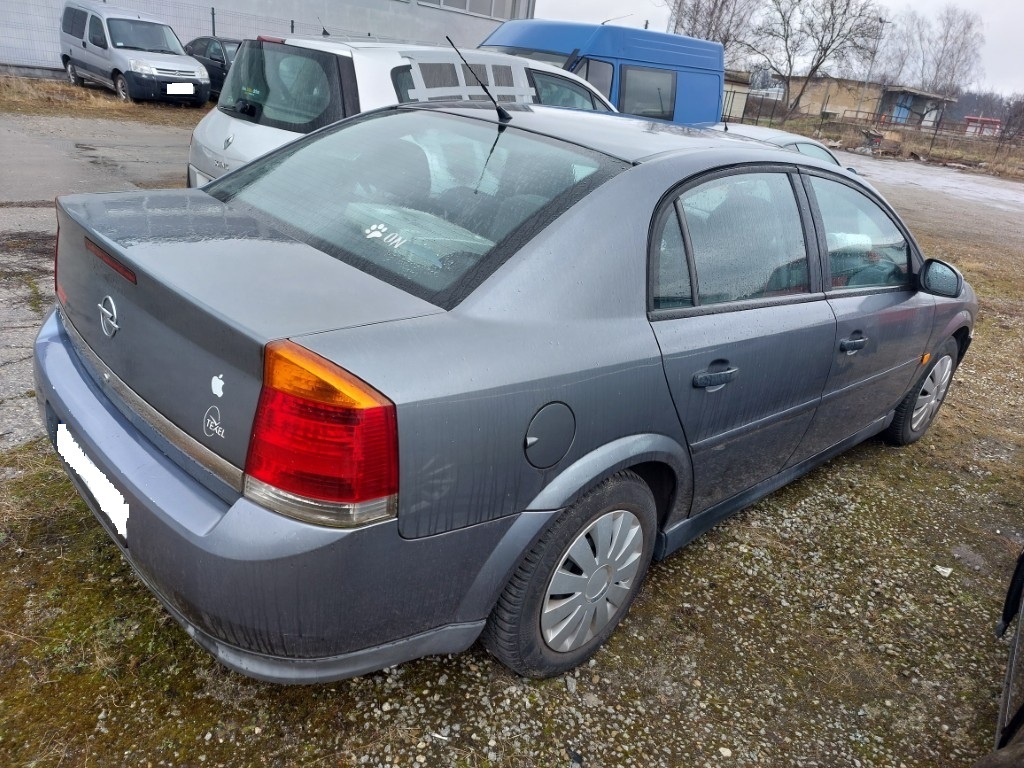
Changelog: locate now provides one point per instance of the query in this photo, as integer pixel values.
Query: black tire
(602, 526)
(121, 88)
(72, 73)
(918, 410)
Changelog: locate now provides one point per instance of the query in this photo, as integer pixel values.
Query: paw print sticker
(377, 230)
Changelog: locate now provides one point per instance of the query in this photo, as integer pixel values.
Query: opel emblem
(228, 140)
(108, 317)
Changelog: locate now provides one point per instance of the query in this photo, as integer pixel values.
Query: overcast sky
(1002, 57)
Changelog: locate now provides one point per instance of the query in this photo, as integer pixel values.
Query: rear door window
(73, 22)
(746, 238)
(284, 86)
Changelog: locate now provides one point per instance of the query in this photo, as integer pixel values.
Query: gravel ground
(818, 628)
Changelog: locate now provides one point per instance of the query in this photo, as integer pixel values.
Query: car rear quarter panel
(565, 321)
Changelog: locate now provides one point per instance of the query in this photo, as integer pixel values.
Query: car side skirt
(685, 531)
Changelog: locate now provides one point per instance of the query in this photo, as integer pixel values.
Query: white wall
(29, 28)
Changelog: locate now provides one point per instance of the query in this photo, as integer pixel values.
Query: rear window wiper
(245, 108)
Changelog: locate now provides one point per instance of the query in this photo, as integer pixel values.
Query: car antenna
(503, 115)
(324, 32)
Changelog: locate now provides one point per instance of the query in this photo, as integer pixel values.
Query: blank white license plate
(181, 89)
(110, 500)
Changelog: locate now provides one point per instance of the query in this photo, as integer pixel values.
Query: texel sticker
(211, 422)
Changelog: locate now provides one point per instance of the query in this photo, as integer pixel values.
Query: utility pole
(871, 66)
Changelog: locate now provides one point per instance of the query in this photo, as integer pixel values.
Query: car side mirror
(941, 279)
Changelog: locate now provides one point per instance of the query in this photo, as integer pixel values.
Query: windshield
(133, 34)
(427, 201)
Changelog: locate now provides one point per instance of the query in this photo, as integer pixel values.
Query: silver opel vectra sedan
(439, 373)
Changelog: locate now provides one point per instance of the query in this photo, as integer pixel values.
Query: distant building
(737, 88)
(871, 102)
(983, 126)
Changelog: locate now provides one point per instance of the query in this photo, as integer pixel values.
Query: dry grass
(33, 96)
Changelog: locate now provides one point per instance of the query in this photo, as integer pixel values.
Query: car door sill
(685, 531)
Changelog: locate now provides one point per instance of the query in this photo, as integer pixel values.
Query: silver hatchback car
(444, 372)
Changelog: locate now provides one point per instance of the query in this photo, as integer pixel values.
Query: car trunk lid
(178, 296)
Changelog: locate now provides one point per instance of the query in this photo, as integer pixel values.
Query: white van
(135, 55)
(280, 88)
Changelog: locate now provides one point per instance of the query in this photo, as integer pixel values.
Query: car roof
(412, 51)
(765, 133)
(625, 137)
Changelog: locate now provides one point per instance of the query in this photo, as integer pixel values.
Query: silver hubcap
(592, 581)
(71, 72)
(932, 393)
(122, 89)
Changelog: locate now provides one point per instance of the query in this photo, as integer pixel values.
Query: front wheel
(121, 88)
(577, 582)
(918, 410)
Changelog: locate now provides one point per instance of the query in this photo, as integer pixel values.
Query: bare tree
(725, 21)
(940, 55)
(1013, 126)
(801, 37)
(955, 58)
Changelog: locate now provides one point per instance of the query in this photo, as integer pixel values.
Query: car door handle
(707, 379)
(852, 345)
(83, 44)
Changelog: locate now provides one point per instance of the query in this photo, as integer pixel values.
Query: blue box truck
(642, 72)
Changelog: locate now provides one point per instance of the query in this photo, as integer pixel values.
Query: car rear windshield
(427, 201)
(283, 86)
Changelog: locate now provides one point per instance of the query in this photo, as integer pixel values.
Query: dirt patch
(31, 96)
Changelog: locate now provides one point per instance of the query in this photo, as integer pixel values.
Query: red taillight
(320, 433)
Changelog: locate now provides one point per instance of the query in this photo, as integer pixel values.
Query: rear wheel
(121, 88)
(577, 582)
(72, 73)
(918, 410)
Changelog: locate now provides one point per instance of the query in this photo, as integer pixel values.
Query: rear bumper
(268, 596)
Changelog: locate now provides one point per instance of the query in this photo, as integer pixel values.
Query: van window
(598, 73)
(283, 86)
(96, 36)
(73, 22)
(648, 92)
